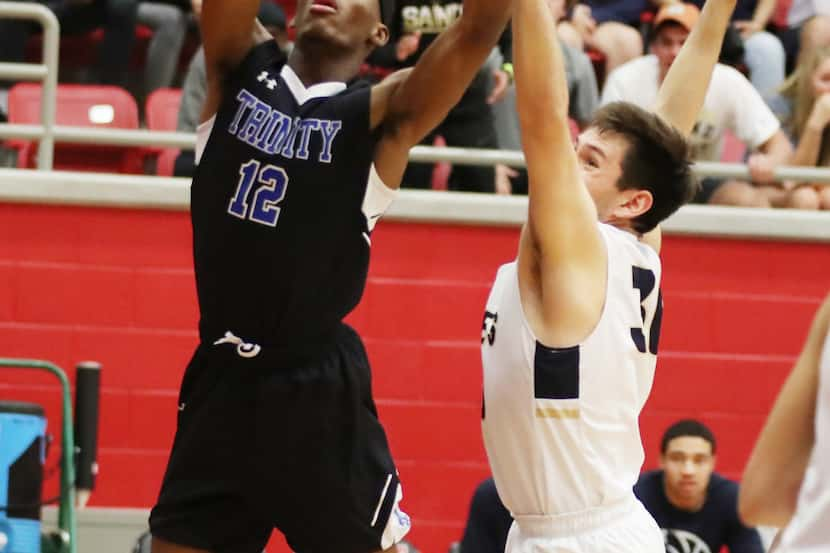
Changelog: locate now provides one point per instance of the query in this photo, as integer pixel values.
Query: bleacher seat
(84, 106)
(161, 111)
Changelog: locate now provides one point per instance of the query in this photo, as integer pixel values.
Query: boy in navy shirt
(696, 508)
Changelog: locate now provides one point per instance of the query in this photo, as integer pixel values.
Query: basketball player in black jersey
(276, 425)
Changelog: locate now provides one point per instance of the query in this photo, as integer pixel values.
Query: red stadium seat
(162, 111)
(84, 106)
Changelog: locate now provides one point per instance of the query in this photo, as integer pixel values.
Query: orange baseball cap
(678, 12)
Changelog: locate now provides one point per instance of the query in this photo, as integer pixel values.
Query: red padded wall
(116, 286)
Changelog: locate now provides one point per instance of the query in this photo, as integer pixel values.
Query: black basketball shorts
(260, 446)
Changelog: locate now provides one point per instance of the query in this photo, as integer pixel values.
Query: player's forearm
(444, 71)
(541, 88)
(773, 476)
(684, 88)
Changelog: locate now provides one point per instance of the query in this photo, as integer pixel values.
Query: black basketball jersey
(280, 238)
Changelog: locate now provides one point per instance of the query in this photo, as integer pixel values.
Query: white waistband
(575, 522)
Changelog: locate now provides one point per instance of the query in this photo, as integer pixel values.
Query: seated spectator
(763, 54)
(609, 26)
(413, 25)
(488, 521)
(169, 22)
(807, 92)
(116, 17)
(731, 104)
(194, 89)
(696, 508)
(808, 27)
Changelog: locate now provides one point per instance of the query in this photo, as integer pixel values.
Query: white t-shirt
(802, 10)
(731, 104)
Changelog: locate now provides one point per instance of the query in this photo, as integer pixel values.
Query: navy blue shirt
(716, 524)
(488, 523)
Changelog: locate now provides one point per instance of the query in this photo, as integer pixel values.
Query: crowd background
(768, 105)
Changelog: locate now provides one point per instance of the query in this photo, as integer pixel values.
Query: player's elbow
(758, 507)
(749, 506)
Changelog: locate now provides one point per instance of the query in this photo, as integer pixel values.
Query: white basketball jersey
(809, 530)
(561, 424)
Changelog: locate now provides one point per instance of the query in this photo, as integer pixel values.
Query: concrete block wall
(116, 286)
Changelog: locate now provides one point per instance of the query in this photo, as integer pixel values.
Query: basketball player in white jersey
(787, 479)
(571, 327)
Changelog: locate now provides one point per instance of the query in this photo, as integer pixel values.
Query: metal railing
(48, 133)
(46, 72)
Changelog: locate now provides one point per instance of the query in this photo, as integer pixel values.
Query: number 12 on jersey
(271, 181)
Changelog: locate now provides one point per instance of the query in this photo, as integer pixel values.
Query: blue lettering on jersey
(269, 130)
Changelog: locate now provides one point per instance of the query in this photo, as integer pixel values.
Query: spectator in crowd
(808, 27)
(731, 104)
(807, 92)
(763, 53)
(169, 21)
(488, 521)
(696, 508)
(413, 25)
(583, 97)
(194, 89)
(609, 26)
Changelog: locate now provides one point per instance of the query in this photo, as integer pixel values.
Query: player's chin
(322, 31)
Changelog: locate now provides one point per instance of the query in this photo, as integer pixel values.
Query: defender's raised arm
(684, 88)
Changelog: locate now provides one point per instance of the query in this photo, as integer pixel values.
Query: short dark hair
(658, 159)
(687, 427)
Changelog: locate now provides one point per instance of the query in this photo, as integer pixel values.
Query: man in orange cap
(732, 104)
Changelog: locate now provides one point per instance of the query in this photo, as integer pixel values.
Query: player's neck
(317, 65)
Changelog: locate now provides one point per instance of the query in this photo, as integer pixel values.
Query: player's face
(667, 44)
(600, 156)
(821, 78)
(687, 464)
(347, 24)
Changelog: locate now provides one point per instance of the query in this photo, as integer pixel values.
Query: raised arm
(229, 30)
(773, 475)
(684, 89)
(415, 106)
(561, 255)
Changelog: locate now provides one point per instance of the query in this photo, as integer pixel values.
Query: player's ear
(633, 204)
(380, 35)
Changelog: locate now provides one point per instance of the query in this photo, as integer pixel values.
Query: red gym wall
(116, 286)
